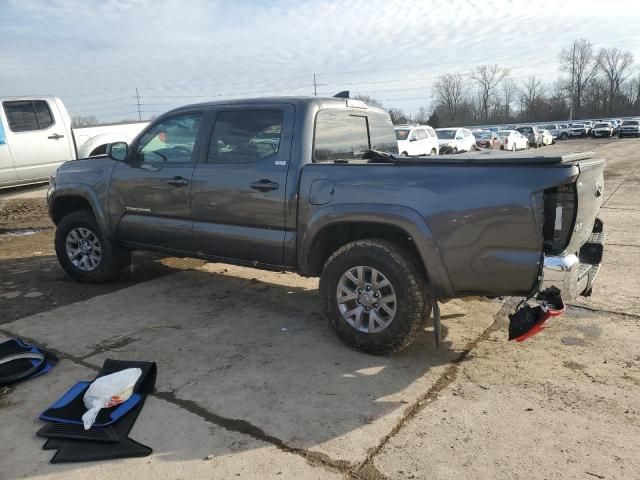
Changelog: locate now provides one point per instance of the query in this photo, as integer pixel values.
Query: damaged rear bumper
(571, 275)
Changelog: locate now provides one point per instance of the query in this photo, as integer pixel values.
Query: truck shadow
(248, 354)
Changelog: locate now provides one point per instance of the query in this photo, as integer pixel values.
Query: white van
(415, 140)
(36, 137)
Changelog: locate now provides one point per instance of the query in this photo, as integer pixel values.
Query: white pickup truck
(36, 137)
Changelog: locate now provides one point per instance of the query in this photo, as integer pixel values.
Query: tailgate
(589, 193)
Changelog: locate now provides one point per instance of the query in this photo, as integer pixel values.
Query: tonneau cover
(484, 158)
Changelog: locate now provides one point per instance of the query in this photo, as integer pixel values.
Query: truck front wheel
(375, 296)
(84, 252)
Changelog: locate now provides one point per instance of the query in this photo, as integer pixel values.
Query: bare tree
(422, 117)
(530, 92)
(580, 62)
(615, 65)
(509, 90)
(83, 121)
(397, 116)
(368, 99)
(487, 77)
(449, 91)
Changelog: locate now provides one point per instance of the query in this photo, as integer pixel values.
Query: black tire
(619, 136)
(413, 306)
(113, 258)
(564, 136)
(454, 150)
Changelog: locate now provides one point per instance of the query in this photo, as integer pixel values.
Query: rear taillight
(559, 217)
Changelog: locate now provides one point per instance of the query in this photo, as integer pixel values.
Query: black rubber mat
(77, 432)
(15, 369)
(88, 451)
(76, 445)
(70, 407)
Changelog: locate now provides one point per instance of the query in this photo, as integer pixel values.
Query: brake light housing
(559, 217)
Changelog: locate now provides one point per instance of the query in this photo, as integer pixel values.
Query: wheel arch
(333, 226)
(71, 198)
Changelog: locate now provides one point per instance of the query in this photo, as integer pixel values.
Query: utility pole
(316, 85)
(573, 68)
(138, 102)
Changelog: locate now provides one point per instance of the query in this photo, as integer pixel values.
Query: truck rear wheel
(375, 296)
(83, 251)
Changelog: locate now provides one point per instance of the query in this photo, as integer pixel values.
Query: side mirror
(458, 137)
(117, 150)
(413, 139)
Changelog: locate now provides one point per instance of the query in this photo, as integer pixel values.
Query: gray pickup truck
(312, 185)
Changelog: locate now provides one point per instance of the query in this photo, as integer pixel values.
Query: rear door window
(245, 136)
(422, 134)
(43, 114)
(341, 136)
(28, 115)
(2, 138)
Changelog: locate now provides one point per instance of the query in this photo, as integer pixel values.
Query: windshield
(483, 135)
(631, 122)
(526, 130)
(504, 133)
(602, 125)
(402, 134)
(578, 125)
(446, 134)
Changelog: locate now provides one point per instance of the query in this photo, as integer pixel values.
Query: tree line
(594, 83)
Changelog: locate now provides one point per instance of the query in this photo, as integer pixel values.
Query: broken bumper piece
(528, 321)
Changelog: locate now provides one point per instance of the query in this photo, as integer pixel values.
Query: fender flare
(85, 192)
(398, 216)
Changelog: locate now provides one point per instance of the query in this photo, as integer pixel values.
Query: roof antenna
(342, 94)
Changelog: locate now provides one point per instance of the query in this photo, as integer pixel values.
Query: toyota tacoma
(314, 185)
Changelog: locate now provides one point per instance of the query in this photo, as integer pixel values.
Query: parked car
(553, 129)
(190, 184)
(547, 138)
(616, 125)
(603, 129)
(417, 140)
(36, 137)
(512, 140)
(629, 128)
(487, 139)
(532, 133)
(579, 130)
(455, 140)
(564, 131)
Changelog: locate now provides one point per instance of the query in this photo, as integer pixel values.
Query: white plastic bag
(108, 391)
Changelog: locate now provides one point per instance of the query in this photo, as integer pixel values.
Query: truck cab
(36, 137)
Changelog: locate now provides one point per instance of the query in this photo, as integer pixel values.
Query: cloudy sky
(94, 54)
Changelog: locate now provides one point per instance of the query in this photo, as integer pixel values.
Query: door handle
(55, 136)
(178, 181)
(265, 185)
